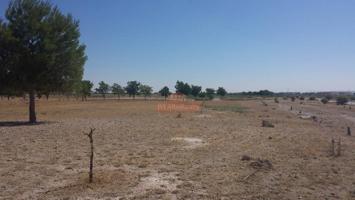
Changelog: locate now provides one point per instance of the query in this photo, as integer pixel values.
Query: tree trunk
(32, 108)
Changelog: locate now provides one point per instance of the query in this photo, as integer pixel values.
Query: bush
(276, 100)
(312, 98)
(293, 99)
(324, 100)
(342, 100)
(302, 98)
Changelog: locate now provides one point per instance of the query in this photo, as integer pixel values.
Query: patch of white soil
(190, 142)
(161, 183)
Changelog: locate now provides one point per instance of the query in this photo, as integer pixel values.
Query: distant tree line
(134, 88)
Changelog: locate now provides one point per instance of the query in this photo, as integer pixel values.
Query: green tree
(210, 93)
(183, 88)
(132, 88)
(117, 90)
(103, 89)
(85, 89)
(41, 50)
(165, 92)
(146, 90)
(195, 90)
(221, 91)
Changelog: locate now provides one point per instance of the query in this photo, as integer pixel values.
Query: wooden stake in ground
(349, 131)
(91, 153)
(333, 147)
(339, 148)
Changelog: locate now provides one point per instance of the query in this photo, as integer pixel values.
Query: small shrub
(324, 100)
(312, 98)
(302, 98)
(342, 100)
(276, 100)
(293, 99)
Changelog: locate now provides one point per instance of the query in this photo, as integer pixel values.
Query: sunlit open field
(222, 152)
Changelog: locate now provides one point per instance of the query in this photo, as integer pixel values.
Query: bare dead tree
(339, 148)
(91, 153)
(332, 147)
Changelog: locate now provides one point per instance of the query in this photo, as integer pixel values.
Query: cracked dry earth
(141, 154)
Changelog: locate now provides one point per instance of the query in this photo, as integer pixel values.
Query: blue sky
(242, 45)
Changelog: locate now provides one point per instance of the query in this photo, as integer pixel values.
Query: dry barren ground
(142, 154)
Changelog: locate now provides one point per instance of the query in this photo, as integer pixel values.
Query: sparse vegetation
(232, 107)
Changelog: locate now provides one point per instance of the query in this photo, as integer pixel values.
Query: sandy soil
(142, 154)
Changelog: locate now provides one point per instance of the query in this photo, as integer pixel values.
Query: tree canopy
(132, 88)
(183, 88)
(164, 92)
(146, 90)
(221, 91)
(85, 88)
(40, 49)
(103, 88)
(195, 90)
(117, 89)
(210, 93)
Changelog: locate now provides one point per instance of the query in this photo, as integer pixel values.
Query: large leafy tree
(117, 90)
(195, 90)
(221, 91)
(164, 92)
(40, 49)
(103, 88)
(132, 88)
(183, 88)
(146, 90)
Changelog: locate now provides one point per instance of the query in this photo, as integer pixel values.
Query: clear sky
(281, 45)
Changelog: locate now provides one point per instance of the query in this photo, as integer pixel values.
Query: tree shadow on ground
(20, 123)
